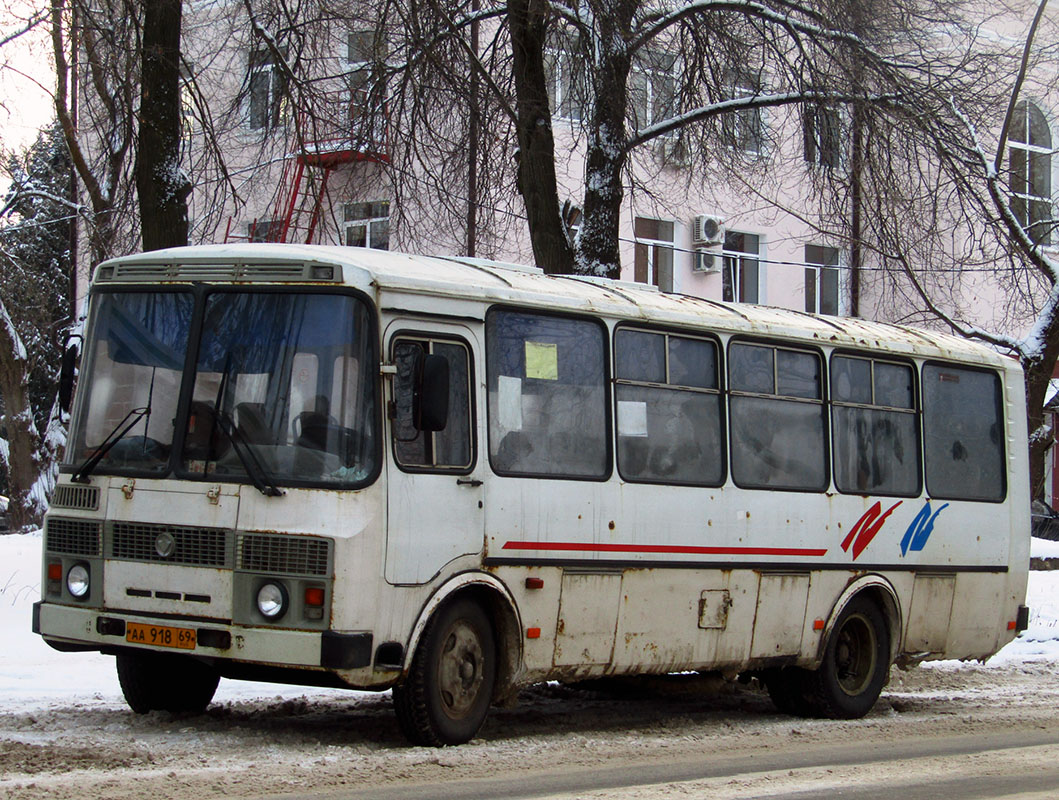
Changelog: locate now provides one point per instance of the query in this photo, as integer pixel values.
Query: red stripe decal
(593, 547)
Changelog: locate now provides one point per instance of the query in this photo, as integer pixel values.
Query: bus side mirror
(431, 399)
(68, 372)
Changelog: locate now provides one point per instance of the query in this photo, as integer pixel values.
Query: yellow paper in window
(542, 361)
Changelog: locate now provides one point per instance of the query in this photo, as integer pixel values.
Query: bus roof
(487, 282)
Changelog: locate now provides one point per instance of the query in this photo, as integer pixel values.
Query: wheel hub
(460, 671)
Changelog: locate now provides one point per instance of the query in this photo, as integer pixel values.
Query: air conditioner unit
(707, 229)
(707, 260)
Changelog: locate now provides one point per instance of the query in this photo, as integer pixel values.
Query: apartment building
(298, 172)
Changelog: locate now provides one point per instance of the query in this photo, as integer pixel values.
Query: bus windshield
(280, 384)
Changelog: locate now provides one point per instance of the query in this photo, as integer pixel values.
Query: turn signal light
(55, 571)
(314, 596)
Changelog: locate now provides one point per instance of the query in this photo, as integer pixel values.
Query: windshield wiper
(82, 472)
(244, 452)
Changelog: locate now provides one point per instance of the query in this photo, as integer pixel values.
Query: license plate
(160, 635)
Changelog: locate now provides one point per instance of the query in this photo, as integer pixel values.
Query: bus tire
(449, 687)
(855, 666)
(160, 682)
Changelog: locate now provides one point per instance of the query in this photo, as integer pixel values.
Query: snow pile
(33, 676)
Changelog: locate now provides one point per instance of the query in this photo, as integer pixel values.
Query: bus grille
(77, 537)
(202, 547)
(83, 497)
(296, 555)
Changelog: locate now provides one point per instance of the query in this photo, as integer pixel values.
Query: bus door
(434, 491)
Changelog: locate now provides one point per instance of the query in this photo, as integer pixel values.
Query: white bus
(453, 478)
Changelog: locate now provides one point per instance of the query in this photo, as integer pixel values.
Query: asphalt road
(1001, 765)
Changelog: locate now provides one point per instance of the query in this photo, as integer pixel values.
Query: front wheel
(446, 695)
(160, 682)
(855, 666)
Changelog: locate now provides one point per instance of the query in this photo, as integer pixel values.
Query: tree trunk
(24, 509)
(528, 23)
(1038, 371)
(598, 253)
(162, 186)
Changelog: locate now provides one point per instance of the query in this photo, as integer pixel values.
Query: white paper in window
(632, 418)
(509, 403)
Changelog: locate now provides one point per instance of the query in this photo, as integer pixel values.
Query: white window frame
(818, 268)
(656, 250)
(1022, 180)
(654, 75)
(373, 224)
(262, 64)
(732, 264)
(561, 74)
(815, 159)
(747, 83)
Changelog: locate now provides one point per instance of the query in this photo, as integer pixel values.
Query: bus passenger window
(873, 427)
(450, 448)
(963, 431)
(547, 395)
(668, 409)
(777, 418)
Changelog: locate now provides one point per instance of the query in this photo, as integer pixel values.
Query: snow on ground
(33, 676)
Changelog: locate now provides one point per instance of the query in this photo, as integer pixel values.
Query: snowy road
(946, 730)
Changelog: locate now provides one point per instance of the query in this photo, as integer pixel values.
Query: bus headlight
(77, 581)
(272, 600)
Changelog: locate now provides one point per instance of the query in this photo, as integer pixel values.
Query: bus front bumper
(66, 627)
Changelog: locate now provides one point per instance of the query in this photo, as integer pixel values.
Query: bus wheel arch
(880, 592)
(856, 651)
(466, 637)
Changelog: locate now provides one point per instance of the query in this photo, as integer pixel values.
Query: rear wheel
(855, 666)
(161, 682)
(446, 695)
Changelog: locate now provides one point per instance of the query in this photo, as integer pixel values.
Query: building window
(366, 57)
(742, 267)
(264, 230)
(654, 252)
(367, 225)
(268, 86)
(822, 135)
(821, 279)
(745, 129)
(1030, 164)
(566, 78)
(652, 88)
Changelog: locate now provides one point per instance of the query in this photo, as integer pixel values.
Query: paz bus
(453, 478)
